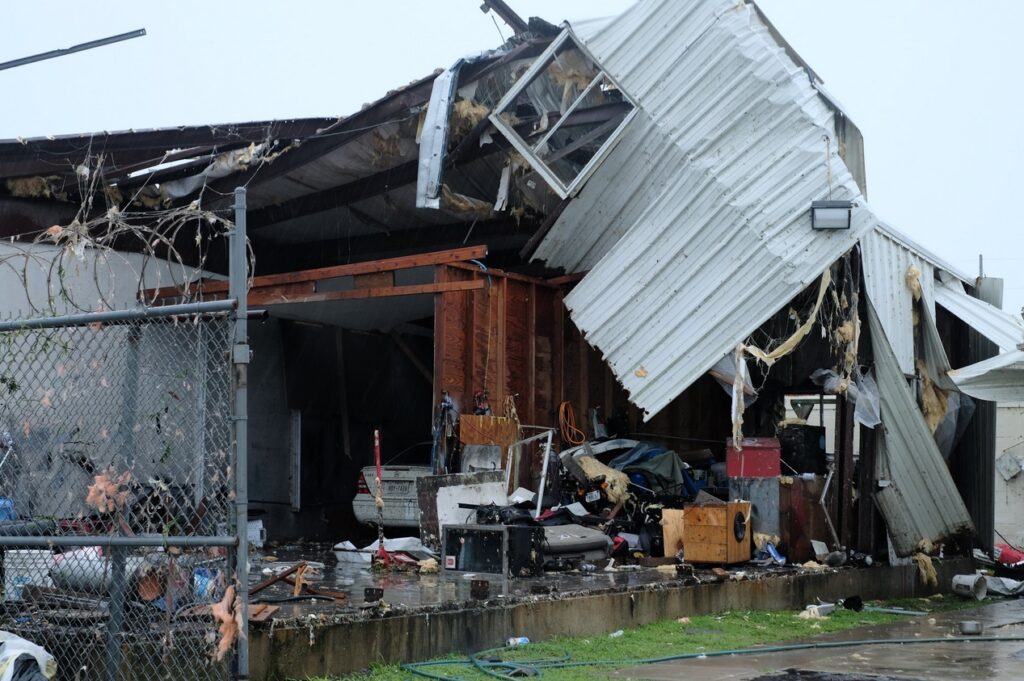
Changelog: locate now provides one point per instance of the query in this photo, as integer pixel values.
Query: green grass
(705, 633)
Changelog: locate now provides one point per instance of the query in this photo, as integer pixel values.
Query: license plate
(592, 496)
(397, 488)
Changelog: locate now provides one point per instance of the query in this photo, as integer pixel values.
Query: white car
(401, 506)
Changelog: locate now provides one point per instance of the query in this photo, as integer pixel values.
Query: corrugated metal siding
(710, 191)
(886, 263)
(999, 379)
(921, 500)
(1002, 328)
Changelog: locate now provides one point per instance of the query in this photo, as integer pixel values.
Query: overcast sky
(934, 85)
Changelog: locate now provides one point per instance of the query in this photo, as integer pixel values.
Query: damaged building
(652, 229)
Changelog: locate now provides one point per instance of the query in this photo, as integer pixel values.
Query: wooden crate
(710, 534)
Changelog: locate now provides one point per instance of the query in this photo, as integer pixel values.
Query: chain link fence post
(238, 290)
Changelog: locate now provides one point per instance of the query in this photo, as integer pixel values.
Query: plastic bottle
(517, 641)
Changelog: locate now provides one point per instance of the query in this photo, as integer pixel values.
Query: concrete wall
(1009, 494)
(30, 278)
(309, 650)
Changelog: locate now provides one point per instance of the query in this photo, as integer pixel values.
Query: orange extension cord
(567, 424)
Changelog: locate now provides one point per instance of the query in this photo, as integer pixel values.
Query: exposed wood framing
(270, 297)
(498, 338)
(293, 286)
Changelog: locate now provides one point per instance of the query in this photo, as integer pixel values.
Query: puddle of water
(413, 591)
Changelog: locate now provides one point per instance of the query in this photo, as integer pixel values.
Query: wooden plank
(566, 279)
(261, 612)
(487, 430)
(672, 530)
(704, 544)
(558, 350)
(737, 550)
(360, 294)
(531, 355)
(335, 271)
(501, 343)
(502, 274)
(374, 279)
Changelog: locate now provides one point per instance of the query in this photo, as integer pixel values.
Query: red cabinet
(758, 457)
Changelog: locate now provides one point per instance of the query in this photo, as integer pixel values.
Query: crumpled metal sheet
(886, 265)
(998, 379)
(918, 498)
(1002, 328)
(696, 227)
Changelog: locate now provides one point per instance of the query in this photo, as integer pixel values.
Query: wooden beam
(255, 298)
(495, 272)
(567, 278)
(318, 274)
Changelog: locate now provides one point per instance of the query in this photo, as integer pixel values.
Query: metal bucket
(970, 586)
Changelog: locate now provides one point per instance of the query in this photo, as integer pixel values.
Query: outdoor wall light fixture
(831, 214)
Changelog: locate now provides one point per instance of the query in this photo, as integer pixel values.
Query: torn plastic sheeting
(225, 164)
(13, 647)
(863, 392)
(1004, 586)
(725, 373)
(920, 503)
(959, 410)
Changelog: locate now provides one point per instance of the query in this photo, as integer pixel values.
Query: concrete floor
(412, 591)
(952, 660)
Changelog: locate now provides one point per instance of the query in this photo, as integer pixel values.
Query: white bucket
(26, 567)
(970, 586)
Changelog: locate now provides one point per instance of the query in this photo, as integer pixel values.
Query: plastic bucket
(30, 566)
(970, 586)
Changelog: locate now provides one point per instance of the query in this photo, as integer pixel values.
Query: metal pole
(74, 48)
(115, 621)
(238, 287)
(543, 475)
(110, 541)
(118, 316)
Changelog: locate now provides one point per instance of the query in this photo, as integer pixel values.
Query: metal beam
(81, 47)
(507, 14)
(116, 316)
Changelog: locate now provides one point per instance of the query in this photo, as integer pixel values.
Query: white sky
(934, 85)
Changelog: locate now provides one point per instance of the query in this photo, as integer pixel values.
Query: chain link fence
(117, 491)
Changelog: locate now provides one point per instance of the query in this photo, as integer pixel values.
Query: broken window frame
(564, 190)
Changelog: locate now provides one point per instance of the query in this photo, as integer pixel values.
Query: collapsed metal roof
(917, 495)
(696, 228)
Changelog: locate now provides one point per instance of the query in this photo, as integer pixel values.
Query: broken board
(672, 530)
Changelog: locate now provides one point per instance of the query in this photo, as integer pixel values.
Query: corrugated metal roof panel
(914, 247)
(998, 379)
(921, 500)
(886, 265)
(1002, 328)
(710, 192)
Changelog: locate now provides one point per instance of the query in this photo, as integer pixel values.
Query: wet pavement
(412, 591)
(947, 660)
